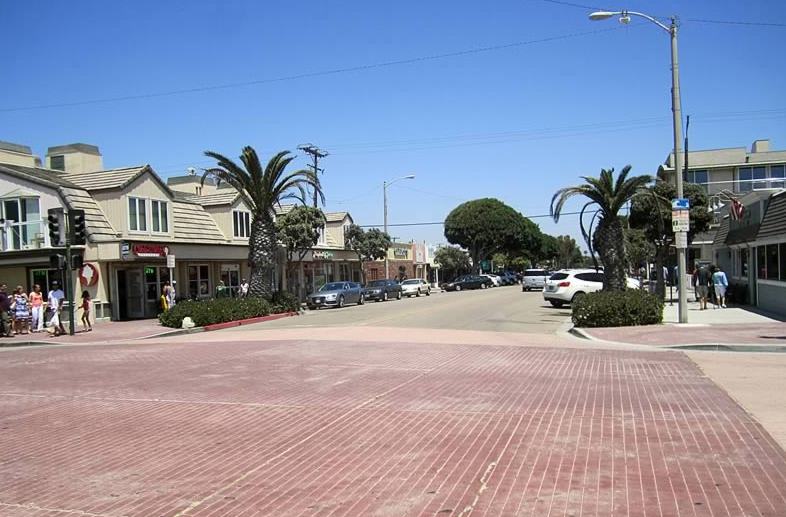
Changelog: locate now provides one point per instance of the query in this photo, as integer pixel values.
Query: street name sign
(680, 203)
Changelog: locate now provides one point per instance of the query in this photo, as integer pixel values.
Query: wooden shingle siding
(108, 179)
(98, 227)
(774, 222)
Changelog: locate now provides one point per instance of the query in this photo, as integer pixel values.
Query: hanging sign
(149, 250)
(88, 275)
(322, 255)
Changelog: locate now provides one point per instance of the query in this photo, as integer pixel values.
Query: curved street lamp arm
(647, 17)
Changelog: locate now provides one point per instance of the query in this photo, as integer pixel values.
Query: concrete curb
(248, 321)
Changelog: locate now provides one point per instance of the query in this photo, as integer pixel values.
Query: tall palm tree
(263, 189)
(608, 196)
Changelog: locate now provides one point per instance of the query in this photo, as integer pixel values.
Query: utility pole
(316, 153)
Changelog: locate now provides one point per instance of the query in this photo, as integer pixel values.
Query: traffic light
(77, 261)
(56, 227)
(57, 262)
(76, 225)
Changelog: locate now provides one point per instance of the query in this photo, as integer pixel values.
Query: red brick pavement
(664, 335)
(386, 429)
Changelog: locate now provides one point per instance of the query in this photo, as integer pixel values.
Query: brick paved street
(326, 428)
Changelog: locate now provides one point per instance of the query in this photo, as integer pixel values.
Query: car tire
(556, 303)
(361, 300)
(398, 295)
(385, 296)
(340, 303)
(418, 293)
(576, 297)
(483, 285)
(458, 288)
(524, 289)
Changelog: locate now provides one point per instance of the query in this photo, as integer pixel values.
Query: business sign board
(680, 221)
(680, 203)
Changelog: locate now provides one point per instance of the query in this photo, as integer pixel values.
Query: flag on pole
(737, 210)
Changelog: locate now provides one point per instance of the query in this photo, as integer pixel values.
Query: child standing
(86, 311)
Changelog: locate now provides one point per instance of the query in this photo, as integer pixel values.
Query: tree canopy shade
(568, 253)
(263, 188)
(486, 226)
(608, 196)
(369, 245)
(452, 261)
(298, 230)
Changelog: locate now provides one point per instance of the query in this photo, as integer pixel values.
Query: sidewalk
(738, 326)
(103, 332)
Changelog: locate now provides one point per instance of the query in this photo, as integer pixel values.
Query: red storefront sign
(150, 250)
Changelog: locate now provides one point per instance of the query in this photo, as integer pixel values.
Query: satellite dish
(191, 171)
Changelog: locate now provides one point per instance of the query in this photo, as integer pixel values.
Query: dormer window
(57, 162)
(137, 214)
(241, 224)
(321, 240)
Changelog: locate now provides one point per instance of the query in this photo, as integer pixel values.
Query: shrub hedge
(284, 301)
(220, 310)
(617, 309)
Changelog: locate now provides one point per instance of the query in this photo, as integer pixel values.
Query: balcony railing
(24, 236)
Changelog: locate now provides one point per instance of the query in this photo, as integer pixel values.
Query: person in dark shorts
(703, 283)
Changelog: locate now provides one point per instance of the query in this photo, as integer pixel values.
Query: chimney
(15, 154)
(760, 146)
(73, 158)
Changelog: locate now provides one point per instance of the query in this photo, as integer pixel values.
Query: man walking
(720, 283)
(703, 283)
(54, 303)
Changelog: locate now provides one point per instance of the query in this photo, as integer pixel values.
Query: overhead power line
(335, 71)
(439, 223)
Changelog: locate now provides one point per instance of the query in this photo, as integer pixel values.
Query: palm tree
(263, 189)
(609, 196)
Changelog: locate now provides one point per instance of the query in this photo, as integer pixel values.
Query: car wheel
(340, 302)
(483, 285)
(576, 297)
(385, 296)
(458, 288)
(361, 300)
(398, 295)
(418, 293)
(556, 303)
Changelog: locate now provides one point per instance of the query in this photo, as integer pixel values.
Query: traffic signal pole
(69, 282)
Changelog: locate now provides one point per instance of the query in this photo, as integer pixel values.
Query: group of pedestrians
(23, 313)
(710, 283)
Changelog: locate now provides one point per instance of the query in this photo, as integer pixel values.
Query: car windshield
(410, 282)
(377, 283)
(334, 286)
(558, 276)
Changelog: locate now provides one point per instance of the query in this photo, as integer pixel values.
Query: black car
(382, 290)
(468, 282)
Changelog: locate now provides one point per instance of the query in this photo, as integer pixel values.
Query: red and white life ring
(88, 275)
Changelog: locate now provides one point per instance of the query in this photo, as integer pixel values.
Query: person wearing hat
(55, 303)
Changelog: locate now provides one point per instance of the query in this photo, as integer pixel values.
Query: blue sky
(516, 122)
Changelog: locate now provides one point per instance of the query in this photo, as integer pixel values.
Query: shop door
(130, 287)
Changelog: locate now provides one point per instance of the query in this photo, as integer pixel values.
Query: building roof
(75, 198)
(73, 148)
(727, 157)
(17, 148)
(704, 237)
(189, 178)
(335, 217)
(722, 232)
(108, 179)
(773, 223)
(223, 198)
(193, 224)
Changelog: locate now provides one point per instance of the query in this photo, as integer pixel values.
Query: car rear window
(590, 277)
(535, 272)
(558, 276)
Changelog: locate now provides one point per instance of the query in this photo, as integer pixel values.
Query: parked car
(495, 279)
(415, 287)
(568, 285)
(336, 294)
(534, 279)
(382, 290)
(468, 282)
(507, 278)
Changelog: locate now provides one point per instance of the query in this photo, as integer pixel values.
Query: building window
(137, 214)
(752, 178)
(44, 278)
(699, 177)
(57, 162)
(772, 262)
(230, 275)
(160, 216)
(321, 240)
(241, 224)
(744, 262)
(778, 176)
(21, 225)
(198, 281)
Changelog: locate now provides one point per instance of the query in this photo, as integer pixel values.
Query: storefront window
(155, 278)
(744, 262)
(772, 262)
(198, 281)
(44, 278)
(761, 262)
(230, 275)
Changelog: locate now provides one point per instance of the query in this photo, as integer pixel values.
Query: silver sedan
(336, 294)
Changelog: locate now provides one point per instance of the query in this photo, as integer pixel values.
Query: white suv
(567, 285)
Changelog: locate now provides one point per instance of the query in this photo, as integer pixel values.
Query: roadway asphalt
(501, 309)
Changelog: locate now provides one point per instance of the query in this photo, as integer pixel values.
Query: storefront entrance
(139, 291)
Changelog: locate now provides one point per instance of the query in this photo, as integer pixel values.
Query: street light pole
(385, 185)
(676, 109)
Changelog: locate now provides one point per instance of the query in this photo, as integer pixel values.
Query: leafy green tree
(452, 261)
(298, 230)
(486, 226)
(650, 212)
(548, 254)
(608, 196)
(369, 245)
(263, 188)
(568, 252)
(640, 248)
